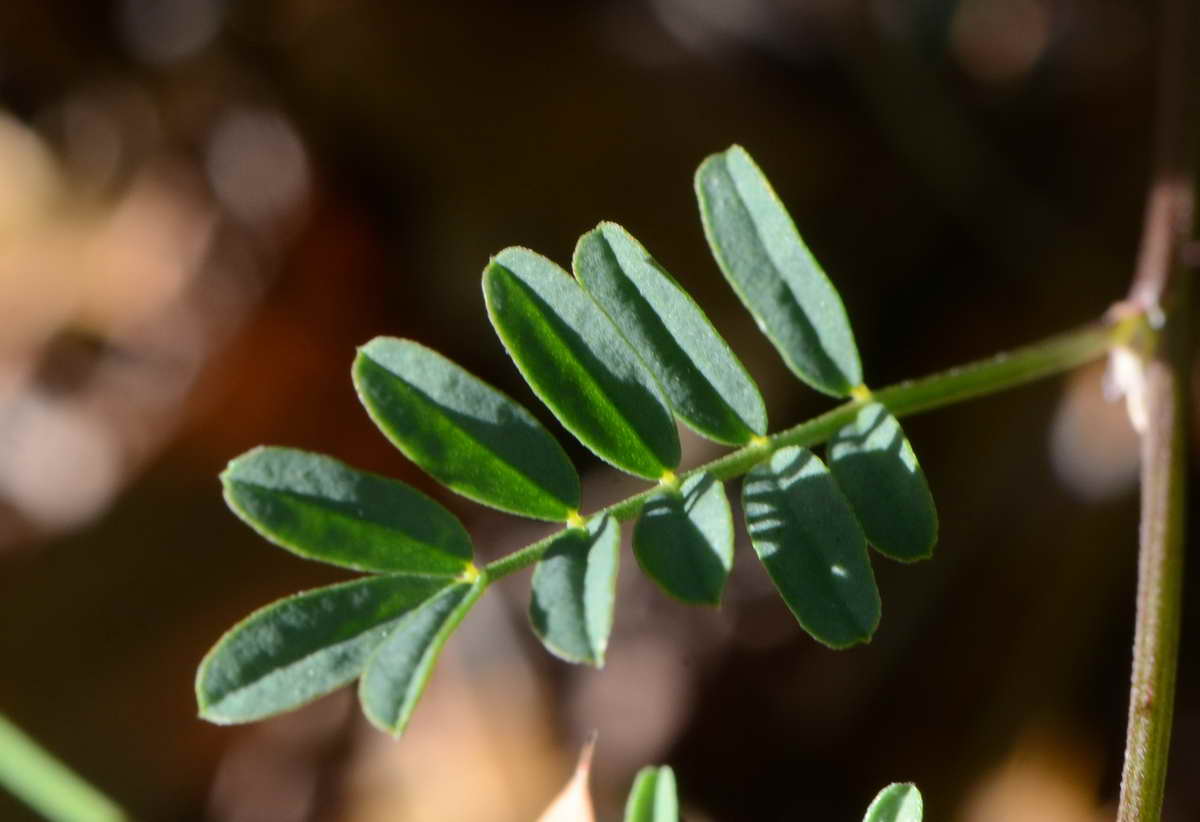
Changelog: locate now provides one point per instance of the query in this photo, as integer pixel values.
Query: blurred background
(205, 206)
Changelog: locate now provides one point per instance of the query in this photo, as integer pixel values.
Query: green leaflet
(399, 668)
(579, 364)
(465, 433)
(762, 255)
(303, 646)
(898, 802)
(653, 797)
(876, 469)
(684, 540)
(321, 509)
(808, 539)
(706, 383)
(574, 585)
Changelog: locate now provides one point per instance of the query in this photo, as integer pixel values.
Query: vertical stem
(1162, 282)
(1160, 584)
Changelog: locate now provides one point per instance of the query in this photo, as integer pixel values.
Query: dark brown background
(970, 174)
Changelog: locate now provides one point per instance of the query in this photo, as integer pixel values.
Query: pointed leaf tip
(876, 468)
(464, 433)
(399, 668)
(578, 363)
(707, 385)
(759, 250)
(574, 587)
(304, 646)
(804, 532)
(574, 801)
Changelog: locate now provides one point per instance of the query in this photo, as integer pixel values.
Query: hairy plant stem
(1160, 590)
(1161, 285)
(990, 376)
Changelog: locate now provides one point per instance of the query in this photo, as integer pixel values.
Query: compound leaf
(301, 647)
(876, 469)
(400, 666)
(463, 432)
(707, 385)
(759, 250)
(574, 585)
(898, 802)
(684, 540)
(579, 364)
(809, 540)
(322, 509)
(653, 798)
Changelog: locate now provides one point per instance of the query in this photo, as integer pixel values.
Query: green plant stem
(47, 785)
(1159, 597)
(1162, 282)
(995, 374)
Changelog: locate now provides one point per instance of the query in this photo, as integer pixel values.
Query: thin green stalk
(1160, 563)
(995, 374)
(48, 786)
(1163, 282)
(1159, 598)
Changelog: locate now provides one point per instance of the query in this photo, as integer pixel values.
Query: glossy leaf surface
(400, 666)
(684, 540)
(304, 646)
(574, 586)
(321, 509)
(466, 434)
(809, 540)
(898, 802)
(707, 385)
(653, 798)
(577, 362)
(876, 469)
(759, 250)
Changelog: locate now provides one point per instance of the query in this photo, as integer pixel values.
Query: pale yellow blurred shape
(32, 182)
(136, 259)
(35, 288)
(1093, 447)
(1048, 777)
(76, 263)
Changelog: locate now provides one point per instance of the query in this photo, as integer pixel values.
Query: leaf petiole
(1001, 372)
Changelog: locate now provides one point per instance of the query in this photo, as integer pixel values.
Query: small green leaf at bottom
(876, 469)
(304, 646)
(653, 798)
(574, 585)
(684, 540)
(397, 671)
(809, 540)
(898, 802)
